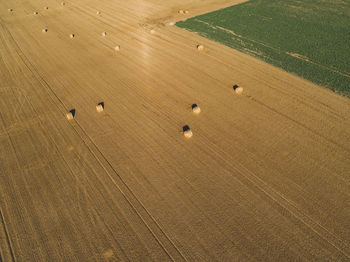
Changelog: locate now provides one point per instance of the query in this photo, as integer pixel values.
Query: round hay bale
(171, 23)
(187, 131)
(196, 109)
(46, 7)
(35, 13)
(238, 89)
(117, 48)
(72, 35)
(98, 12)
(10, 9)
(71, 114)
(200, 47)
(180, 12)
(186, 12)
(188, 134)
(45, 30)
(108, 254)
(63, 3)
(100, 107)
(104, 33)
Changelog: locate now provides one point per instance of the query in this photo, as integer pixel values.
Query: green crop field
(310, 38)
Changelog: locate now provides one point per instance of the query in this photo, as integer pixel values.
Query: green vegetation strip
(310, 38)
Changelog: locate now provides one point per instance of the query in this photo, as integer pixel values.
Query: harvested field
(264, 175)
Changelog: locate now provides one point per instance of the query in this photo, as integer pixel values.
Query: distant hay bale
(188, 134)
(117, 48)
(238, 89)
(71, 114)
(180, 11)
(186, 12)
(187, 131)
(63, 3)
(46, 7)
(72, 35)
(100, 107)
(200, 47)
(98, 12)
(108, 254)
(171, 23)
(196, 109)
(36, 13)
(104, 33)
(10, 9)
(44, 30)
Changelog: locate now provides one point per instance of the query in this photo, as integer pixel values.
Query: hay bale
(45, 30)
(71, 114)
(46, 7)
(238, 89)
(63, 3)
(186, 12)
(187, 131)
(117, 48)
(108, 254)
(171, 23)
(98, 12)
(188, 134)
(200, 47)
(180, 12)
(104, 33)
(72, 35)
(35, 13)
(100, 107)
(196, 109)
(10, 10)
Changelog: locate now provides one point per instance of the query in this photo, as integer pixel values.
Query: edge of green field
(310, 38)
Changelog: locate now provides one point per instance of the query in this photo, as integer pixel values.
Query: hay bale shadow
(186, 128)
(72, 111)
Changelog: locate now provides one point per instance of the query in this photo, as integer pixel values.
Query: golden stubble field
(264, 175)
